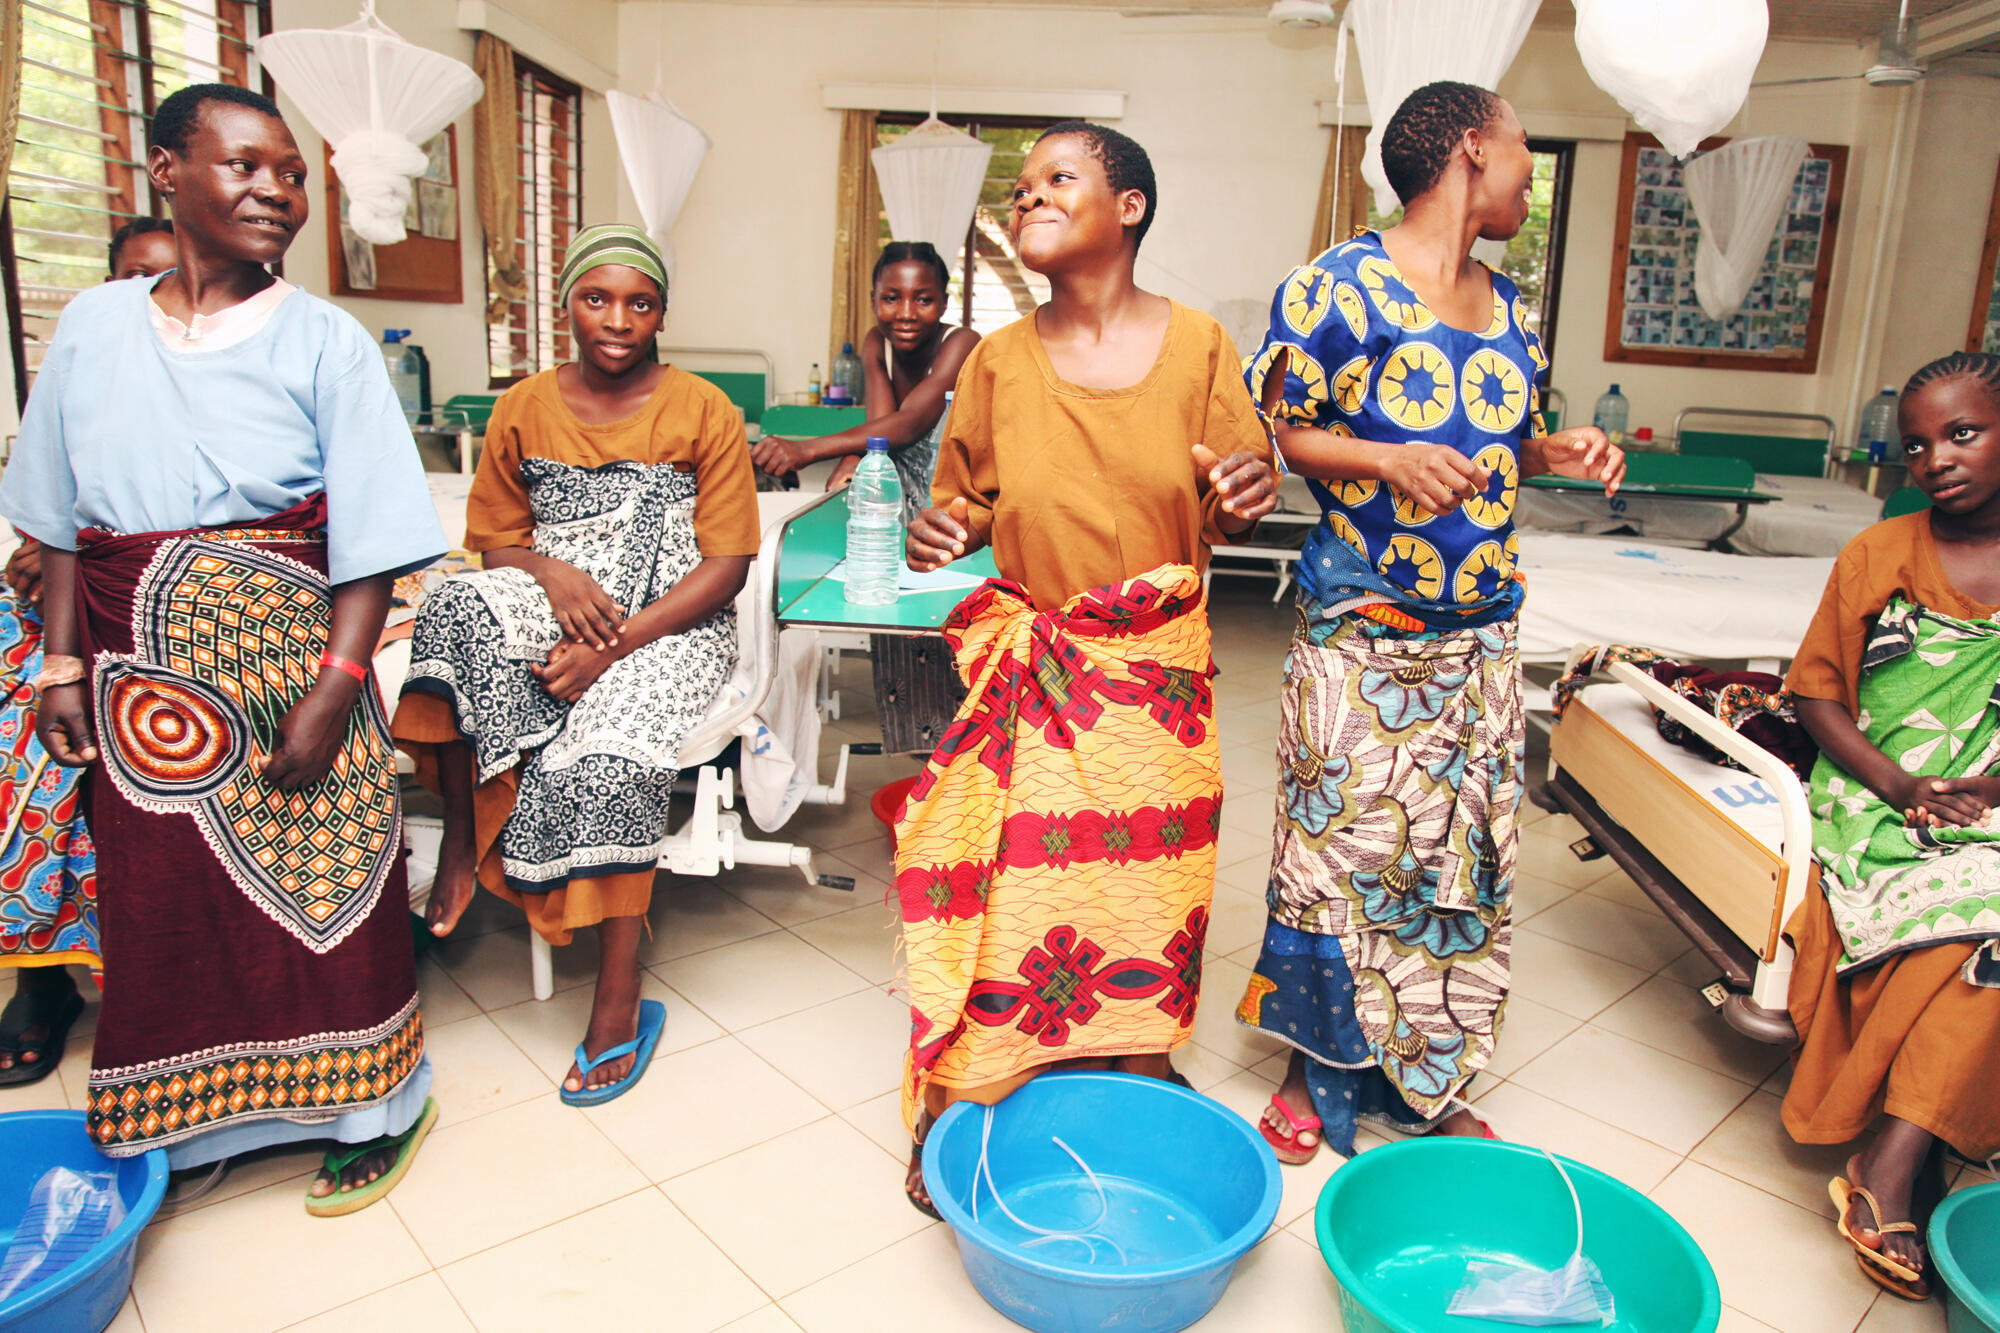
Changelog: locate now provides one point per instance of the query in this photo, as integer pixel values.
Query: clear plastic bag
(1517, 1293)
(68, 1213)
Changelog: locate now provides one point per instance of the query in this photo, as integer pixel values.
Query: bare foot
(451, 892)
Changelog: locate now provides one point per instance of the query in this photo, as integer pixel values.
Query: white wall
(1226, 109)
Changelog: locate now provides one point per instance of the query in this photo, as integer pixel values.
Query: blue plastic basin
(1191, 1187)
(1965, 1246)
(1398, 1223)
(84, 1297)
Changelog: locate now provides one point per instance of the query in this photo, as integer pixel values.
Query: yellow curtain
(10, 83)
(496, 170)
(856, 231)
(1343, 164)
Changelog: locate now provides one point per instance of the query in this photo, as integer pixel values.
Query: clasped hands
(1944, 802)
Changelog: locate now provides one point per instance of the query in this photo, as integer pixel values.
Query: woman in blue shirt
(225, 488)
(1409, 395)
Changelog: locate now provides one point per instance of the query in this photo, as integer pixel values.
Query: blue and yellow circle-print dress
(1385, 960)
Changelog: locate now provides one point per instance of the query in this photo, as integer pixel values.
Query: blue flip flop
(652, 1022)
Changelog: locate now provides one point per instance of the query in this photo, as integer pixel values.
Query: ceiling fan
(1284, 13)
(1895, 59)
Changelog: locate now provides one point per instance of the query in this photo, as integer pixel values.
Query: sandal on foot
(652, 1022)
(1842, 1193)
(1286, 1145)
(341, 1202)
(1915, 1292)
(921, 1204)
(48, 1051)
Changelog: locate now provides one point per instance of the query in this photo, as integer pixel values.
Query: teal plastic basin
(1398, 1224)
(1965, 1246)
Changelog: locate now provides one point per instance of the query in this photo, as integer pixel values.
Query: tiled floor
(753, 1181)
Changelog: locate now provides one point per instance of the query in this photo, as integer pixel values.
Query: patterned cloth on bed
(594, 776)
(1929, 702)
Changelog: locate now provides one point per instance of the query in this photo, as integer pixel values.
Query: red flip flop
(1287, 1146)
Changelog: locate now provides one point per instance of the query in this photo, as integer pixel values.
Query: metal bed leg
(541, 966)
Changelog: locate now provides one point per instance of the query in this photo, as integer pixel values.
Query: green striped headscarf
(610, 243)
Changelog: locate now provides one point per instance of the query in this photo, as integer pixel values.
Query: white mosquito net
(661, 150)
(1739, 192)
(377, 100)
(1681, 69)
(1405, 44)
(930, 181)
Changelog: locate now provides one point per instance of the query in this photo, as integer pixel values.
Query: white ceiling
(1837, 20)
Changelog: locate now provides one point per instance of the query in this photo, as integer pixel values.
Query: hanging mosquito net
(1739, 192)
(1405, 44)
(661, 150)
(377, 100)
(1682, 69)
(930, 181)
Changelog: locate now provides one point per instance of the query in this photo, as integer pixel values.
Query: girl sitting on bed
(1896, 987)
(1057, 858)
(911, 358)
(549, 693)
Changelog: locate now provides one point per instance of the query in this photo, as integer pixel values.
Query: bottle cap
(847, 348)
(394, 335)
(878, 444)
(1614, 388)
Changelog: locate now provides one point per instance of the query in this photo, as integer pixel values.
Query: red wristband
(354, 669)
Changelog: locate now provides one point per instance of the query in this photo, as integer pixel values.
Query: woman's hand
(1436, 477)
(1248, 486)
(62, 723)
(1952, 802)
(779, 457)
(310, 735)
(1586, 453)
(583, 609)
(24, 573)
(939, 536)
(573, 668)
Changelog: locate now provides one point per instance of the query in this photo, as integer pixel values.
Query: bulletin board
(424, 266)
(1654, 318)
(1984, 333)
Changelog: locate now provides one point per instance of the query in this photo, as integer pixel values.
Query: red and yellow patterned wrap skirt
(1056, 861)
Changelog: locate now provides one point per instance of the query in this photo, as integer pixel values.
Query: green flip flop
(341, 1202)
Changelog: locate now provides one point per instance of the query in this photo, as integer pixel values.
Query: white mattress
(1817, 516)
(1690, 605)
(1747, 801)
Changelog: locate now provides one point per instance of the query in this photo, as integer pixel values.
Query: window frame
(132, 72)
(525, 337)
(969, 123)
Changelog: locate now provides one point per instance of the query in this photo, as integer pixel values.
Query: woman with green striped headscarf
(550, 691)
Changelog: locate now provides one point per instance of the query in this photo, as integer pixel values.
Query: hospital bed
(712, 838)
(1815, 514)
(1725, 854)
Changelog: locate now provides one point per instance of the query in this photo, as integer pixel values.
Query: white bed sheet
(1816, 516)
(1687, 604)
(1745, 799)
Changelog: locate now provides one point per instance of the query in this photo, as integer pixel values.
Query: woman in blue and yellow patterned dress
(1409, 403)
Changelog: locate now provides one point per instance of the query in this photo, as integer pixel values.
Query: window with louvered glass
(92, 71)
(550, 157)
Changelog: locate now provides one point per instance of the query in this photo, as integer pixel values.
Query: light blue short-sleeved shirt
(120, 433)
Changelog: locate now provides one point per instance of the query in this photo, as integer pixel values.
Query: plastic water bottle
(1611, 414)
(1878, 427)
(874, 528)
(406, 374)
(847, 374)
